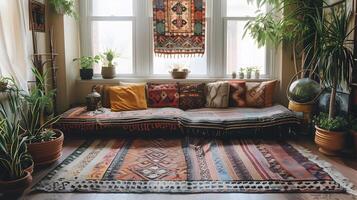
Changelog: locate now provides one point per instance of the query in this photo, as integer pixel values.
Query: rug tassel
(336, 175)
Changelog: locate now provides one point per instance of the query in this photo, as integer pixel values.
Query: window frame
(143, 49)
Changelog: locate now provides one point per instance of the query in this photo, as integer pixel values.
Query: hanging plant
(65, 7)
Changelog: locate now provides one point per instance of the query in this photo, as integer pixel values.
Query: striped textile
(198, 121)
(187, 165)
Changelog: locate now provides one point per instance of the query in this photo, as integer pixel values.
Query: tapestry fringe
(336, 175)
(180, 55)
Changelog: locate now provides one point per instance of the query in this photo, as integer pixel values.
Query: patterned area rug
(190, 165)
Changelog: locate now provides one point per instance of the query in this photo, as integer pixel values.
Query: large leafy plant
(336, 58)
(13, 152)
(35, 127)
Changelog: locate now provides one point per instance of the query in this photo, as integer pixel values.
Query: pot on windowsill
(86, 73)
(108, 72)
(16, 187)
(45, 153)
(330, 142)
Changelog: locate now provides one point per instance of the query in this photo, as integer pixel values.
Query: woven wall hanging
(179, 27)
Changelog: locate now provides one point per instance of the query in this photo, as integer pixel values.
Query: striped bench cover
(219, 121)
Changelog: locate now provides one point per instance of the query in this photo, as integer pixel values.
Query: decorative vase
(108, 72)
(330, 142)
(93, 100)
(241, 75)
(16, 187)
(44, 153)
(86, 74)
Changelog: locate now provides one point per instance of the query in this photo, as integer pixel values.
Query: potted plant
(234, 75)
(249, 71)
(66, 7)
(44, 143)
(256, 72)
(241, 73)
(108, 69)
(86, 66)
(14, 178)
(335, 61)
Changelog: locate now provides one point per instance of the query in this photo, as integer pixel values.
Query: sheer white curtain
(14, 58)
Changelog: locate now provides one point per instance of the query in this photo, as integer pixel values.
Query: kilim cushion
(217, 95)
(192, 96)
(237, 92)
(260, 94)
(163, 95)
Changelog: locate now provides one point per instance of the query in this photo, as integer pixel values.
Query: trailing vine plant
(66, 7)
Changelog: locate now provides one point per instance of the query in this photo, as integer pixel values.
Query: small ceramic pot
(86, 74)
(45, 153)
(108, 72)
(241, 75)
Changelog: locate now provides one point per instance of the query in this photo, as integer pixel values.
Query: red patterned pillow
(163, 95)
(237, 92)
(192, 96)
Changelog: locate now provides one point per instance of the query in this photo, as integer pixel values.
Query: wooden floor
(346, 165)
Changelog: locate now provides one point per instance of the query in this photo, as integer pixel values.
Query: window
(242, 51)
(127, 27)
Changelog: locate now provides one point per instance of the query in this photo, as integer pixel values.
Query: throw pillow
(217, 95)
(237, 93)
(126, 98)
(192, 96)
(103, 90)
(260, 94)
(163, 95)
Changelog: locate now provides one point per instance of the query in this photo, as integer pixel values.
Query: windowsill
(165, 79)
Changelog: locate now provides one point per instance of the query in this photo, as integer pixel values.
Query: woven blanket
(179, 26)
(190, 165)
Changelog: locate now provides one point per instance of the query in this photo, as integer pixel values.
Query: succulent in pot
(14, 178)
(249, 71)
(256, 72)
(86, 66)
(335, 61)
(241, 73)
(108, 69)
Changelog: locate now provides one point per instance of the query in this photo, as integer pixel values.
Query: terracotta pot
(30, 168)
(108, 72)
(354, 133)
(179, 74)
(45, 153)
(330, 142)
(16, 187)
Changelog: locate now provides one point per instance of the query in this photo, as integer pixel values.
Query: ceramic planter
(16, 187)
(257, 75)
(86, 74)
(45, 153)
(330, 142)
(108, 72)
(241, 75)
(249, 75)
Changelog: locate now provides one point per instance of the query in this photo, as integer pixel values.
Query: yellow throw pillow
(126, 98)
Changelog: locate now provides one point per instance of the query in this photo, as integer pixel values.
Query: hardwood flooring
(346, 165)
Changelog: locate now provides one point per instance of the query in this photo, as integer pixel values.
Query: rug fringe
(336, 175)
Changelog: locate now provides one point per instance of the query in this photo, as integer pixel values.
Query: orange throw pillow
(127, 98)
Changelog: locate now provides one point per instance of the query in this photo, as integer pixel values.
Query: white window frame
(143, 53)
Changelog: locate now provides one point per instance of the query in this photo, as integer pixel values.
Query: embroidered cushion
(237, 93)
(192, 96)
(163, 95)
(217, 95)
(127, 98)
(260, 94)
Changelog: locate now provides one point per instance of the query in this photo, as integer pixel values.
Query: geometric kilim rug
(192, 165)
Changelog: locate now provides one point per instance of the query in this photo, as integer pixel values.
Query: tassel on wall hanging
(179, 27)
